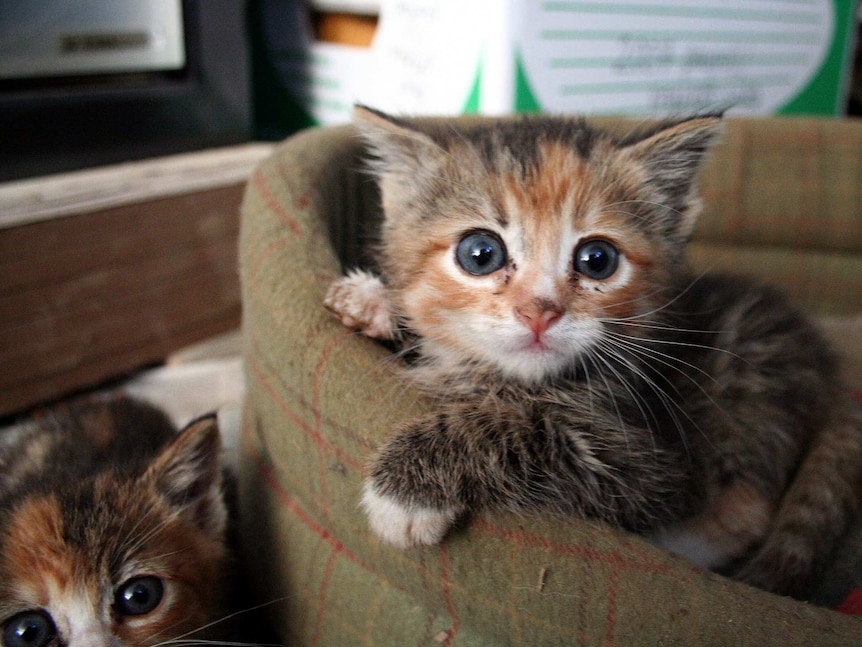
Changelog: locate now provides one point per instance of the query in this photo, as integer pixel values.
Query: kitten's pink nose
(538, 317)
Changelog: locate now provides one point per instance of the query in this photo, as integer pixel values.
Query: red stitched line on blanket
(318, 416)
(261, 185)
(321, 595)
(295, 393)
(304, 517)
(318, 422)
(447, 595)
(610, 557)
(253, 275)
(296, 419)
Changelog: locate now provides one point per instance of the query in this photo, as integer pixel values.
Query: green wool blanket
(783, 201)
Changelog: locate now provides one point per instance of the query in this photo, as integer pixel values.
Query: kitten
(536, 268)
(111, 528)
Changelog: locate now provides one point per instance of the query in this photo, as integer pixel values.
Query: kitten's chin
(525, 365)
(532, 361)
(534, 365)
(513, 355)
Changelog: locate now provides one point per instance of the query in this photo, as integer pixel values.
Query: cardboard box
(629, 57)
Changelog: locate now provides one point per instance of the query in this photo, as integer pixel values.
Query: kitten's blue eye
(139, 596)
(596, 259)
(480, 253)
(29, 629)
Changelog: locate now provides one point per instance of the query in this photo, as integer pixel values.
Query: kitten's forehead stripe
(552, 199)
(518, 140)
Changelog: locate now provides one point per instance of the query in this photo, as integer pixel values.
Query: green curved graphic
(826, 93)
(471, 107)
(525, 98)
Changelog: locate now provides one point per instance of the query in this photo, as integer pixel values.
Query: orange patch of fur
(562, 180)
(435, 293)
(34, 550)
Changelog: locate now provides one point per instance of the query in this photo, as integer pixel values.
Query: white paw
(360, 301)
(696, 546)
(404, 526)
(692, 545)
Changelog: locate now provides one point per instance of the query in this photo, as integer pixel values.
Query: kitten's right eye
(597, 259)
(480, 253)
(29, 629)
(139, 596)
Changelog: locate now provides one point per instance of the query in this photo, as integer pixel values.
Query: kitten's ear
(404, 152)
(188, 474)
(672, 157)
(391, 133)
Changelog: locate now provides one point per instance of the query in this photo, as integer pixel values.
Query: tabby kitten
(535, 267)
(111, 528)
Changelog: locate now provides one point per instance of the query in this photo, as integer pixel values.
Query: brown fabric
(321, 398)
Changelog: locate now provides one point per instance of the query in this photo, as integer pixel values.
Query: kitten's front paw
(404, 526)
(359, 300)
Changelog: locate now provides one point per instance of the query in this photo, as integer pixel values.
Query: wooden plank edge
(37, 199)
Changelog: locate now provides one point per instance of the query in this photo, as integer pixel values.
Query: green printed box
(623, 57)
(613, 57)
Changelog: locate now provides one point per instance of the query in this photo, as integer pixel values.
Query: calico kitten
(111, 528)
(536, 268)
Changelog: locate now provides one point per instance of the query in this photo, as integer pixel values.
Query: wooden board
(110, 270)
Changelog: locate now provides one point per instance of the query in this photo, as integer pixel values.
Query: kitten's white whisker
(670, 405)
(610, 392)
(665, 306)
(218, 621)
(647, 413)
(588, 381)
(667, 361)
(651, 203)
(639, 343)
(659, 326)
(133, 542)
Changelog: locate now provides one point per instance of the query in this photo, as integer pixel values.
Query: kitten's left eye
(480, 253)
(29, 629)
(139, 596)
(596, 259)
